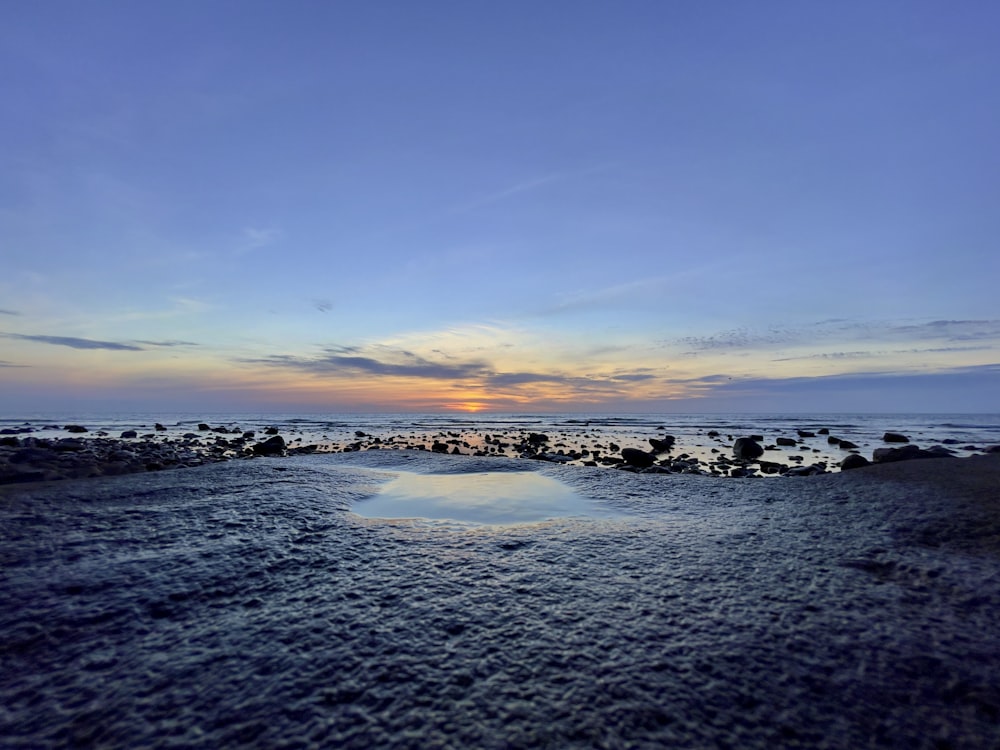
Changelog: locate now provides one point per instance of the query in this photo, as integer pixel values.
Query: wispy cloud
(842, 330)
(528, 185)
(169, 343)
(399, 363)
(254, 238)
(9, 312)
(5, 363)
(73, 342)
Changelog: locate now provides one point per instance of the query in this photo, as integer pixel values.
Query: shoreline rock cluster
(26, 457)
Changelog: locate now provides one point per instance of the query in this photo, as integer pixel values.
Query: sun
(467, 406)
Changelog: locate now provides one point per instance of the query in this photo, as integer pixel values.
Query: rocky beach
(41, 451)
(254, 603)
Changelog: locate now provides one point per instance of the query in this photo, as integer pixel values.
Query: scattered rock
(75, 428)
(854, 461)
(786, 441)
(130, 434)
(159, 427)
(847, 445)
(747, 449)
(638, 458)
(664, 444)
(805, 434)
(908, 452)
(273, 446)
(203, 427)
(895, 437)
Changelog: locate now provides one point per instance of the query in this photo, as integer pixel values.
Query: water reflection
(495, 498)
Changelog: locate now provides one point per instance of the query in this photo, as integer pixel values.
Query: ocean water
(963, 433)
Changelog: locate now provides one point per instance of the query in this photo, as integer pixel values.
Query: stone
(75, 428)
(854, 461)
(271, 431)
(439, 447)
(661, 445)
(638, 458)
(786, 441)
(823, 431)
(273, 446)
(805, 433)
(159, 427)
(906, 453)
(203, 427)
(847, 445)
(130, 434)
(537, 438)
(747, 449)
(895, 437)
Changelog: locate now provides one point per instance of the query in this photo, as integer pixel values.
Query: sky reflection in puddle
(493, 498)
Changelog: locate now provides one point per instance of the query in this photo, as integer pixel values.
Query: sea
(700, 435)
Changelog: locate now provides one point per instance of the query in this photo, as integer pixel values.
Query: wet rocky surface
(33, 453)
(245, 604)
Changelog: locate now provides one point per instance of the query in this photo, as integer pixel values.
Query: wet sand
(245, 603)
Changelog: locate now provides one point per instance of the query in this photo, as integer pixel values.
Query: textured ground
(243, 603)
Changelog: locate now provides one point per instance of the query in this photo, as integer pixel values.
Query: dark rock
(537, 438)
(661, 445)
(273, 446)
(803, 471)
(906, 453)
(895, 437)
(847, 445)
(713, 433)
(69, 444)
(805, 433)
(271, 431)
(130, 434)
(823, 431)
(833, 440)
(159, 427)
(638, 458)
(10, 442)
(203, 427)
(359, 434)
(758, 438)
(786, 441)
(747, 449)
(75, 428)
(854, 461)
(439, 447)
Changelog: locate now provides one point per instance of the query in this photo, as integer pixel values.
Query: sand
(246, 604)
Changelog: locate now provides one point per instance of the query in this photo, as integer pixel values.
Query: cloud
(874, 353)
(253, 238)
(398, 363)
(4, 363)
(842, 330)
(171, 342)
(9, 312)
(74, 343)
(323, 305)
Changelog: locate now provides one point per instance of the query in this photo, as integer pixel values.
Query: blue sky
(511, 206)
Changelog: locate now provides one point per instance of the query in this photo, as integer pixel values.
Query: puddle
(494, 498)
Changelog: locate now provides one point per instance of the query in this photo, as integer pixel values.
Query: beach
(86, 446)
(252, 603)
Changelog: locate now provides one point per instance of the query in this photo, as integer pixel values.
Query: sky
(636, 206)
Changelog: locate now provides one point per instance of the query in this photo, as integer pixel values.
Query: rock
(638, 458)
(159, 427)
(273, 446)
(847, 445)
(805, 433)
(823, 431)
(906, 453)
(833, 440)
(271, 431)
(786, 441)
(661, 445)
(854, 461)
(713, 433)
(203, 427)
(537, 438)
(439, 447)
(747, 449)
(895, 437)
(130, 434)
(10, 442)
(75, 428)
